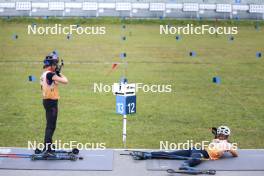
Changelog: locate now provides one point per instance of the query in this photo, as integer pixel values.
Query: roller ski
(192, 171)
(138, 155)
(74, 151)
(56, 155)
(43, 156)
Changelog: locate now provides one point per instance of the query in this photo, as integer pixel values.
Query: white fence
(131, 9)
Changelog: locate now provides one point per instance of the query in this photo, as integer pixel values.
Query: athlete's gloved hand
(57, 71)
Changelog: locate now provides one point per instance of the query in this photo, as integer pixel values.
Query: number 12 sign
(125, 104)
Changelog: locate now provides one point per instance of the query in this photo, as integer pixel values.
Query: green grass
(194, 105)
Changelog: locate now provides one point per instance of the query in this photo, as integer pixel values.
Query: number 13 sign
(125, 104)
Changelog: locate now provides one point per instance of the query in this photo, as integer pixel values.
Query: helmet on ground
(223, 130)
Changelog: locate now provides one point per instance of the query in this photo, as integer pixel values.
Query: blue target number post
(125, 102)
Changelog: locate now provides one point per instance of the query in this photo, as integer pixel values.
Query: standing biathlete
(49, 81)
(193, 157)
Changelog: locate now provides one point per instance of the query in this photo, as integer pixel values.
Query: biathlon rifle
(214, 131)
(59, 67)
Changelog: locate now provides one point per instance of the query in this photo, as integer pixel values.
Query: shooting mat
(248, 160)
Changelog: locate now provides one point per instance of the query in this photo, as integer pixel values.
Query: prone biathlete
(193, 157)
(49, 81)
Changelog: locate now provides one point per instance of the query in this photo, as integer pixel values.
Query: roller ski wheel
(75, 151)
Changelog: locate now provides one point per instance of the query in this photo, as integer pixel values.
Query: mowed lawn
(194, 105)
